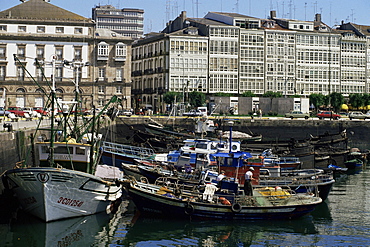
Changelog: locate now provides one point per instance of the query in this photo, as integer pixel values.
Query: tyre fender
(189, 209)
(236, 207)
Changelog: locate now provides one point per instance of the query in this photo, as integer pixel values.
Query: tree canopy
(197, 98)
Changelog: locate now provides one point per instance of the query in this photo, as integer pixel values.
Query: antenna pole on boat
(231, 123)
(51, 158)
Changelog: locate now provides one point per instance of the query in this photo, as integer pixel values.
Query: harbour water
(342, 220)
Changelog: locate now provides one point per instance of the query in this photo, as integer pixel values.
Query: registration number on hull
(70, 202)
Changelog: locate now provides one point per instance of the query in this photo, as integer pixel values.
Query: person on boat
(221, 176)
(248, 190)
(188, 170)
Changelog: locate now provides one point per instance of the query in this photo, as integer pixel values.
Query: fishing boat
(353, 163)
(66, 181)
(265, 204)
(303, 181)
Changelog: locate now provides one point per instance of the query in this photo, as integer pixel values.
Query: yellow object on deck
(277, 191)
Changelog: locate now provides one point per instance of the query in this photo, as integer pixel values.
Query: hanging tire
(189, 209)
(236, 207)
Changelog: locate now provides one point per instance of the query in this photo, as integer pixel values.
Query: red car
(16, 110)
(328, 114)
(41, 110)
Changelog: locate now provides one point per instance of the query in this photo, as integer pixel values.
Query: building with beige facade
(98, 60)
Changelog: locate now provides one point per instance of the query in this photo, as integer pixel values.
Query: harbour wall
(270, 129)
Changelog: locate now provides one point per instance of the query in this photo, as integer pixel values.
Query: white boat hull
(53, 194)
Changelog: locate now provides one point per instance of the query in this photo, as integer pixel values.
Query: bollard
(8, 126)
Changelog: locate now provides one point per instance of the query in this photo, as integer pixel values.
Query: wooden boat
(354, 163)
(267, 203)
(305, 180)
(65, 183)
(302, 181)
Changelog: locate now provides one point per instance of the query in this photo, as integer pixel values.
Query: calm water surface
(343, 220)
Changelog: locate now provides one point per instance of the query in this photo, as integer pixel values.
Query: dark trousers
(248, 188)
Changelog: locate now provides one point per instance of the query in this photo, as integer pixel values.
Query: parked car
(3, 112)
(18, 111)
(297, 114)
(41, 110)
(30, 111)
(357, 115)
(126, 113)
(328, 114)
(193, 113)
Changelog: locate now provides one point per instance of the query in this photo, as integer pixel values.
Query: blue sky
(158, 12)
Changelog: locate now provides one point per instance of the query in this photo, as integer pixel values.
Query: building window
(103, 49)
(40, 50)
(21, 51)
(41, 29)
(101, 89)
(119, 74)
(101, 102)
(58, 73)
(2, 52)
(59, 52)
(22, 29)
(3, 28)
(2, 72)
(78, 53)
(78, 30)
(39, 74)
(101, 74)
(59, 29)
(119, 90)
(120, 50)
(20, 73)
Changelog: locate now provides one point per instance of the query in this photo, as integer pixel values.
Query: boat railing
(127, 149)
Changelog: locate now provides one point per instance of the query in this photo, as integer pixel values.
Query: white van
(203, 109)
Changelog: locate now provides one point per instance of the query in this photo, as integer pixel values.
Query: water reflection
(343, 219)
(163, 232)
(322, 213)
(26, 230)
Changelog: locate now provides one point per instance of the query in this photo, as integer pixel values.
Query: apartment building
(128, 22)
(281, 55)
(169, 62)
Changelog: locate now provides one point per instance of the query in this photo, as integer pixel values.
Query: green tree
(197, 98)
(248, 94)
(366, 98)
(221, 94)
(317, 99)
(336, 100)
(356, 100)
(271, 94)
(169, 97)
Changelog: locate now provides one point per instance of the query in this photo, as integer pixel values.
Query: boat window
(234, 147)
(221, 145)
(45, 149)
(264, 172)
(63, 150)
(202, 146)
(80, 150)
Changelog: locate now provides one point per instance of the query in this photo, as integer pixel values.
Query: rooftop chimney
(272, 14)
